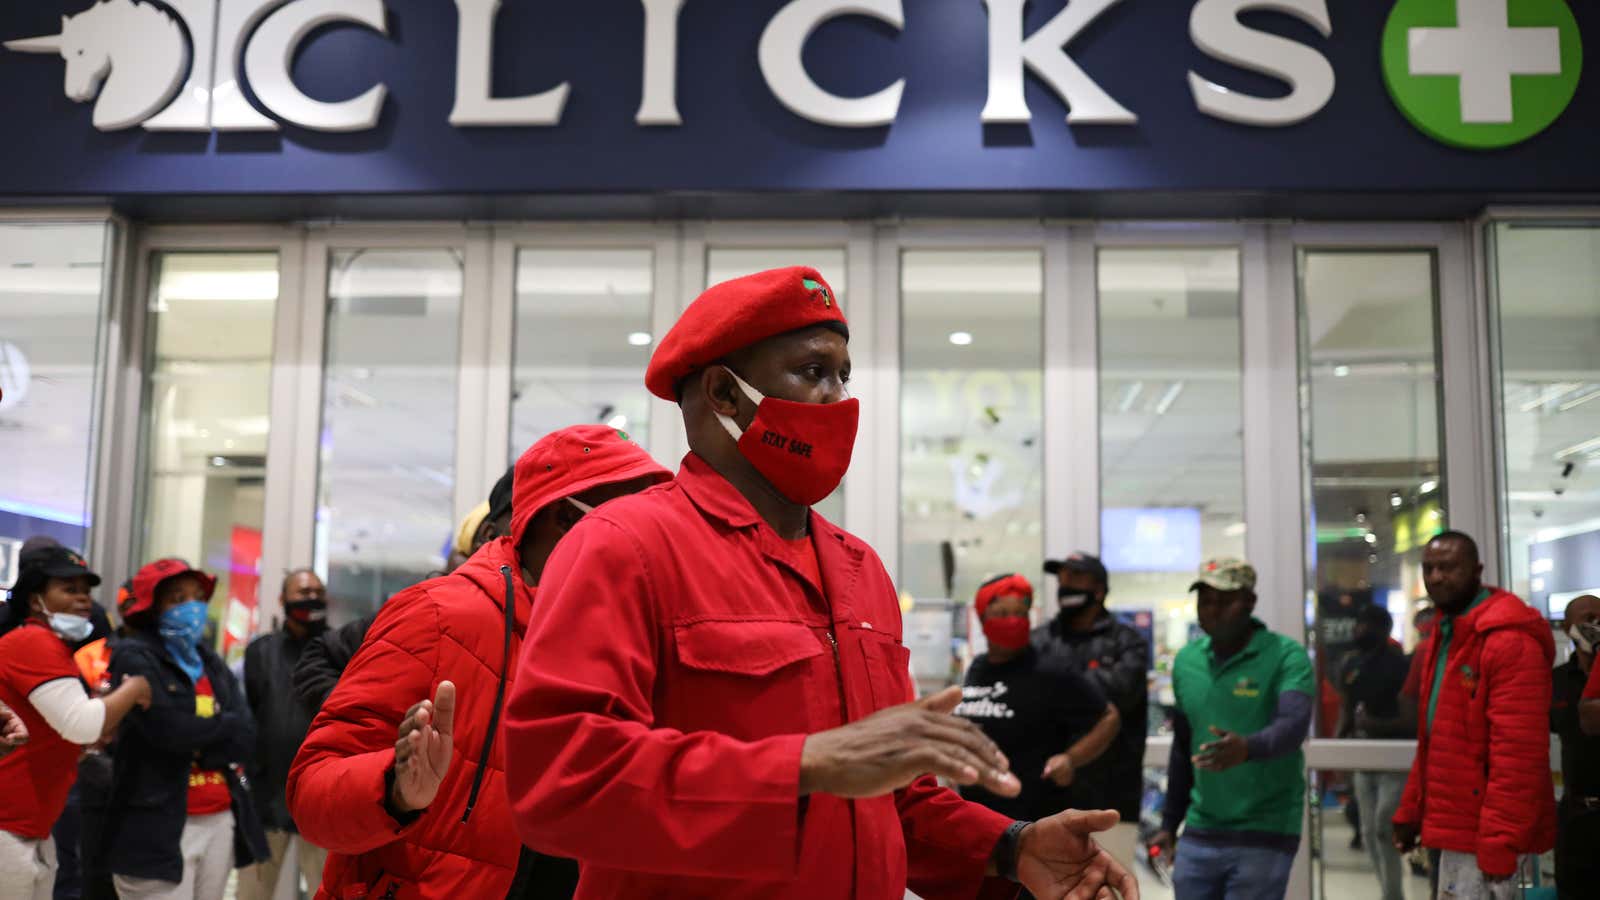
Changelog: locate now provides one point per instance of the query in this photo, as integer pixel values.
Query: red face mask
(1007, 632)
(802, 449)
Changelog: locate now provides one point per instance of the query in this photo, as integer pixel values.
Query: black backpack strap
(499, 695)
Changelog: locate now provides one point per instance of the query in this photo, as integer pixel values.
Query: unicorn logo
(131, 55)
(179, 66)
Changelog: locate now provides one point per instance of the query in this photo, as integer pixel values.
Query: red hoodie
(1481, 780)
(450, 628)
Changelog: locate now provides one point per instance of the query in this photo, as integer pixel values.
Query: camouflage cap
(1226, 574)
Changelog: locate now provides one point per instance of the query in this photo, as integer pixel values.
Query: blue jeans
(1205, 871)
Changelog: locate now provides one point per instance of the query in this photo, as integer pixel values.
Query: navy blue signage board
(364, 103)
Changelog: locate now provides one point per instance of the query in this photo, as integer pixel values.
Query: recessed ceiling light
(1341, 371)
(961, 338)
(639, 339)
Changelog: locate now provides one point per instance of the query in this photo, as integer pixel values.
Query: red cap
(571, 461)
(148, 579)
(1003, 586)
(735, 314)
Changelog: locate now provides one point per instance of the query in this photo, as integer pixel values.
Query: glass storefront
(1547, 281)
(975, 457)
(1369, 369)
(386, 482)
(971, 422)
(1171, 433)
(583, 337)
(52, 310)
(208, 421)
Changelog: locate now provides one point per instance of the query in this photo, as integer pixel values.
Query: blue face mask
(184, 623)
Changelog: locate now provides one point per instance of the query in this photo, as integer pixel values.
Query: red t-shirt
(1591, 688)
(208, 790)
(34, 778)
(803, 555)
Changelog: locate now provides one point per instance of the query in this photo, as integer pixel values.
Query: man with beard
(1480, 791)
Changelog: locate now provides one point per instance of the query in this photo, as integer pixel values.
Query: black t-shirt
(1032, 708)
(1375, 679)
(1580, 753)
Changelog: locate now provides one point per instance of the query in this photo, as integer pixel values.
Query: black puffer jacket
(149, 791)
(1118, 659)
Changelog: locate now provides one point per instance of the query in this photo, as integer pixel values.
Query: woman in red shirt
(49, 607)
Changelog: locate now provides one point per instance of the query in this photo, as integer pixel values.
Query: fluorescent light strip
(1169, 398)
(1132, 394)
(33, 511)
(1551, 393)
(1580, 448)
(1579, 400)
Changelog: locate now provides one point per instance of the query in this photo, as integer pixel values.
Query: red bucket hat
(1003, 586)
(735, 314)
(571, 461)
(148, 579)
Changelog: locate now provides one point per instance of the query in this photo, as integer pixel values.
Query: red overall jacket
(1481, 779)
(674, 665)
(450, 628)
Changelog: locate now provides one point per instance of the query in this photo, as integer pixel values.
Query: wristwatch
(1005, 850)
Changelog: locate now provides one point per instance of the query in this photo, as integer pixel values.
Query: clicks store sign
(485, 95)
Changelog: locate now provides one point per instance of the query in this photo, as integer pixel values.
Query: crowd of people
(630, 683)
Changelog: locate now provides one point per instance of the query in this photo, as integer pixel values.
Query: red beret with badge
(735, 314)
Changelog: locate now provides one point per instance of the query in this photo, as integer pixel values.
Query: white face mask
(69, 627)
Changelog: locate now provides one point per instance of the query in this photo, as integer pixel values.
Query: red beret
(571, 461)
(1003, 586)
(735, 314)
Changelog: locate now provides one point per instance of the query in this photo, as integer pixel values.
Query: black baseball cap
(1078, 562)
(55, 561)
(500, 496)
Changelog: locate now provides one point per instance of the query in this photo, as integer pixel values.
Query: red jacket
(1481, 779)
(450, 628)
(675, 663)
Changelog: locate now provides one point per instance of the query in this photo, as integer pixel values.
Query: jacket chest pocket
(747, 679)
(888, 668)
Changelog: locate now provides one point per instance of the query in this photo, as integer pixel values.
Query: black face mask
(1073, 598)
(312, 614)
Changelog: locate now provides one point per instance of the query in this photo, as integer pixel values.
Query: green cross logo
(818, 287)
(1482, 74)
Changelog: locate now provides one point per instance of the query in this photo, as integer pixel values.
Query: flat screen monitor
(1150, 539)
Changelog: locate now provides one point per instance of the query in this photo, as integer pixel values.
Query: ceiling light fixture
(1580, 448)
(640, 339)
(961, 338)
(1428, 487)
(1169, 398)
(1341, 371)
(1549, 394)
(1579, 400)
(1129, 396)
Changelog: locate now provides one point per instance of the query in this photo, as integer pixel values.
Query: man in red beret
(406, 791)
(709, 703)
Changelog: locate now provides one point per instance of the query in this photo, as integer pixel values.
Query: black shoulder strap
(499, 695)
